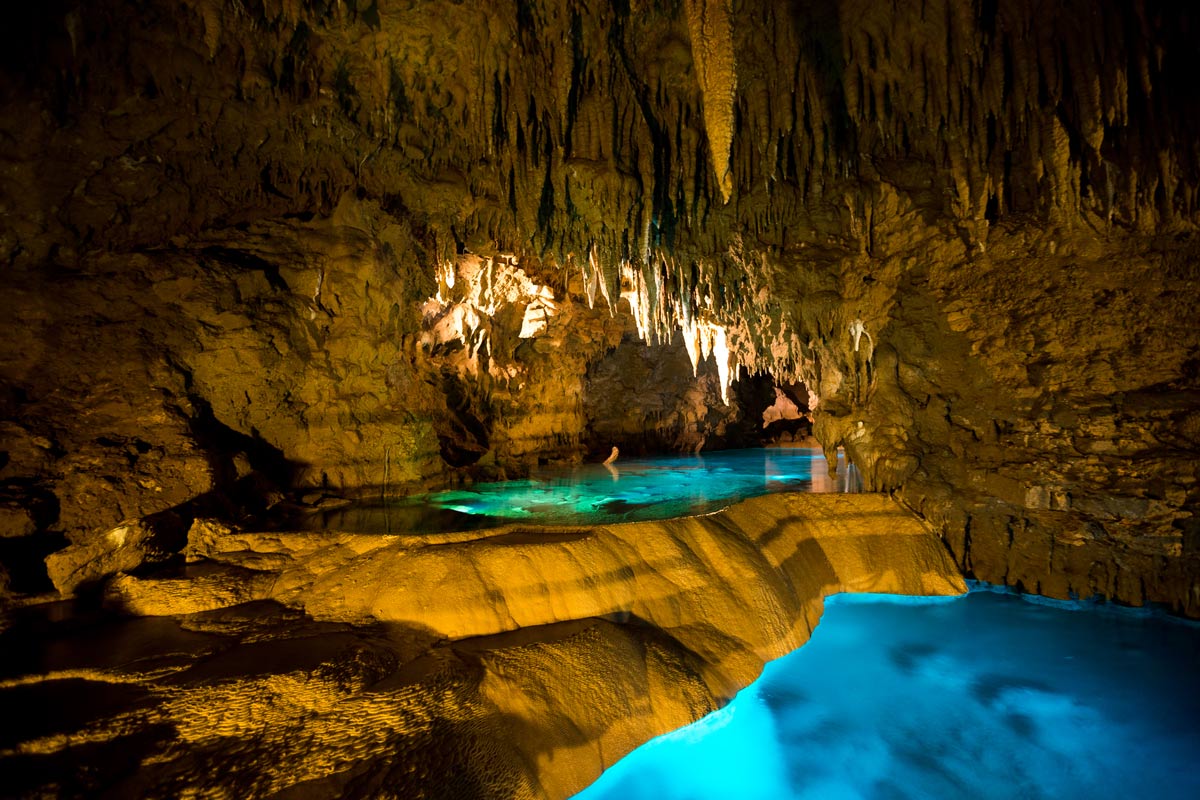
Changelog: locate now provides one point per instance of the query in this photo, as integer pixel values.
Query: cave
(278, 269)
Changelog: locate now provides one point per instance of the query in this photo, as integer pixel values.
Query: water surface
(985, 696)
(659, 487)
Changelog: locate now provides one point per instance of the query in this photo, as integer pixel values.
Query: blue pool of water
(660, 487)
(985, 696)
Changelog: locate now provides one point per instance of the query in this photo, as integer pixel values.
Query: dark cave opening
(645, 399)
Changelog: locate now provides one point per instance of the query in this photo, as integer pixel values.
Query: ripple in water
(985, 696)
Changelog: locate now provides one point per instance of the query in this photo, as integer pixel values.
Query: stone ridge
(529, 659)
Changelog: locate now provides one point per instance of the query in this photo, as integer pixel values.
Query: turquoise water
(985, 696)
(629, 490)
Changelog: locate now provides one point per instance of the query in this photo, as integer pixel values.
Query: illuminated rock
(198, 589)
(122, 548)
(512, 663)
(712, 49)
(999, 199)
(784, 408)
(728, 591)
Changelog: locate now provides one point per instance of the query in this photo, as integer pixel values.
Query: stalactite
(710, 25)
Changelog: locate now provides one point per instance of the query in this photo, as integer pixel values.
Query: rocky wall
(286, 360)
(646, 400)
(968, 226)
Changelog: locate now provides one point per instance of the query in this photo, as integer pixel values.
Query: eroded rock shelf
(518, 662)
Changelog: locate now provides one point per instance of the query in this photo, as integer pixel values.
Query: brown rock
(119, 549)
(199, 589)
(15, 521)
(517, 662)
(976, 246)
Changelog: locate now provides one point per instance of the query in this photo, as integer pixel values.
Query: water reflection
(624, 491)
(985, 696)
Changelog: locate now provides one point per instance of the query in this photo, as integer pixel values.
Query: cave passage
(275, 268)
(987, 695)
(650, 488)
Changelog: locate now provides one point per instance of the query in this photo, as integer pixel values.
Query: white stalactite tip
(859, 330)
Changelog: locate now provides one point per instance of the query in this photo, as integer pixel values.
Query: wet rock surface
(505, 663)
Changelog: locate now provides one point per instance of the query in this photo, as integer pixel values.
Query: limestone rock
(712, 49)
(971, 233)
(15, 521)
(760, 566)
(24, 454)
(647, 399)
(119, 549)
(512, 663)
(198, 589)
(202, 537)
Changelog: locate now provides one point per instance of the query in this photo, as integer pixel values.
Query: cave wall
(284, 357)
(969, 227)
(646, 400)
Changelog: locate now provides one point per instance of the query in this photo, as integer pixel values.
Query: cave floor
(510, 663)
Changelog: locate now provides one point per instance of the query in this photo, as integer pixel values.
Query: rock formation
(264, 252)
(261, 249)
(518, 662)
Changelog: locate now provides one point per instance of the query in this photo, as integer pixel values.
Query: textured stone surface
(16, 521)
(121, 549)
(648, 400)
(319, 364)
(223, 222)
(198, 589)
(512, 663)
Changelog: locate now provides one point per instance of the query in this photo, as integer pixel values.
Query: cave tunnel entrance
(646, 400)
(463, 438)
(788, 420)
